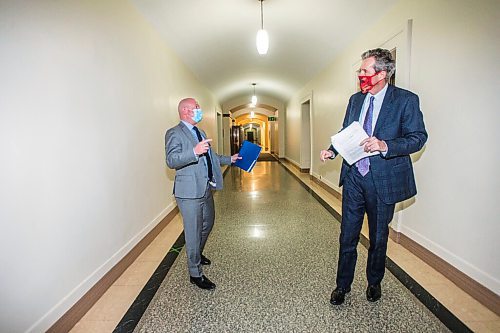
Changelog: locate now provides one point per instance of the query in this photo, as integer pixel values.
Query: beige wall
(87, 91)
(451, 62)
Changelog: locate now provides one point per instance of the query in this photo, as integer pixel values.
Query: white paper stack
(347, 141)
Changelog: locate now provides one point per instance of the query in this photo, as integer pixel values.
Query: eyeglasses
(363, 71)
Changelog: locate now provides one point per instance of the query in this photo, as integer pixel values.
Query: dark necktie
(363, 165)
(207, 156)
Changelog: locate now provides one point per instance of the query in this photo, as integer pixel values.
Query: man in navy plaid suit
(392, 118)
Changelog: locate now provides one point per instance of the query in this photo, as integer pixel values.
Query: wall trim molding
(464, 265)
(479, 292)
(296, 165)
(83, 305)
(327, 188)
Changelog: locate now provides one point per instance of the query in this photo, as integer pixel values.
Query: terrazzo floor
(274, 253)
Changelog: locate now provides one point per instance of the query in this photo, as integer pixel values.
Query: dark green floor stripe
(131, 318)
(140, 304)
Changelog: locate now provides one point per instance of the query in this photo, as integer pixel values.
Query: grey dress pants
(198, 216)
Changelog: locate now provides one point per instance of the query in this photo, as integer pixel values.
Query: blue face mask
(198, 115)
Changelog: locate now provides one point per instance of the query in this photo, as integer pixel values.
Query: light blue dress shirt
(196, 137)
(192, 130)
(377, 105)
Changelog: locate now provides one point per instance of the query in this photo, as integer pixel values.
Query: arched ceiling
(258, 118)
(257, 110)
(216, 39)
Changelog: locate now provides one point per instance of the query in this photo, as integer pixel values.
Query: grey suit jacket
(191, 177)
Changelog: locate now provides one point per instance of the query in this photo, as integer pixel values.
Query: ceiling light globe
(262, 41)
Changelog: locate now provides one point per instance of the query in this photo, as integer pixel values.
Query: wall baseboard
(83, 305)
(295, 164)
(479, 292)
(329, 189)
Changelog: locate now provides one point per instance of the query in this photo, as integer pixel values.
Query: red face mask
(365, 82)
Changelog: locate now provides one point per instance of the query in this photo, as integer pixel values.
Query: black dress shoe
(202, 282)
(338, 295)
(373, 292)
(205, 260)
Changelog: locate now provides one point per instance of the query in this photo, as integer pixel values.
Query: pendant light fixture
(262, 36)
(254, 97)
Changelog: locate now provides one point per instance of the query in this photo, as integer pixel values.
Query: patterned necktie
(207, 156)
(363, 165)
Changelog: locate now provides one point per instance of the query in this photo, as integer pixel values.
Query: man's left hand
(235, 157)
(372, 144)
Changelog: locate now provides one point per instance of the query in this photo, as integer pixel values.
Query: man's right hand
(202, 147)
(325, 154)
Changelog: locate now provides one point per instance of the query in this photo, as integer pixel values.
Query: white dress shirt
(377, 105)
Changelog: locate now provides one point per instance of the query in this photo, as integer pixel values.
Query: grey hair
(383, 61)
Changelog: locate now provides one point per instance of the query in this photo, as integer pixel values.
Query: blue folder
(249, 153)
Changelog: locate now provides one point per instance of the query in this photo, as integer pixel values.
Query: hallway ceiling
(216, 39)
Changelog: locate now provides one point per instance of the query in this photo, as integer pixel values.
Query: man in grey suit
(198, 172)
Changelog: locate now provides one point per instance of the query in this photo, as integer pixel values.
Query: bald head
(186, 107)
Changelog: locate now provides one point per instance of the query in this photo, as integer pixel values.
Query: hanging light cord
(261, 15)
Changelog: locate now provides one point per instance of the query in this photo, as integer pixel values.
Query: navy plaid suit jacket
(401, 125)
